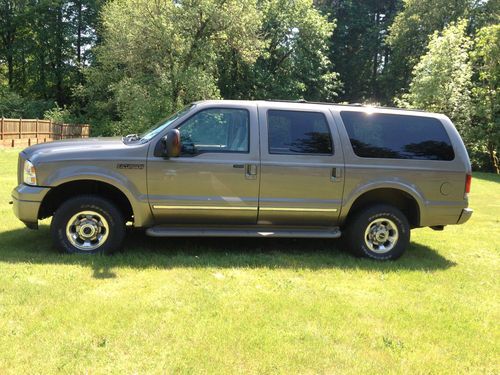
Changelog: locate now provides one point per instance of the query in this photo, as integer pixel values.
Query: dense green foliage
(137, 79)
(44, 44)
(124, 64)
(442, 78)
(209, 49)
(359, 49)
(485, 127)
(293, 61)
(410, 31)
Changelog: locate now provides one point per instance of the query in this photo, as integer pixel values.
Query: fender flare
(407, 188)
(139, 203)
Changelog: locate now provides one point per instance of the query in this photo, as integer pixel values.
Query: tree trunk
(79, 31)
(59, 64)
(8, 36)
(42, 80)
(79, 34)
(10, 68)
(494, 158)
(376, 55)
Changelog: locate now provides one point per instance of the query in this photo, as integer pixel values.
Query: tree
(42, 60)
(158, 56)
(442, 78)
(358, 47)
(11, 12)
(486, 93)
(44, 44)
(293, 62)
(410, 32)
(83, 16)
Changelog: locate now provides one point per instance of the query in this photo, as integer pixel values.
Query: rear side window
(297, 132)
(378, 135)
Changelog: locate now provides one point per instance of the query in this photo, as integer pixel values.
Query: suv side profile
(254, 169)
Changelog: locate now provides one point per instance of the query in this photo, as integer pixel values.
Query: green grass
(251, 306)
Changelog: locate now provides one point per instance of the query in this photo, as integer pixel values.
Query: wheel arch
(122, 198)
(409, 201)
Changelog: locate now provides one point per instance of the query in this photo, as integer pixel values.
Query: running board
(172, 231)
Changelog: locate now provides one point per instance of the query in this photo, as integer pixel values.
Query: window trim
(443, 127)
(332, 143)
(219, 151)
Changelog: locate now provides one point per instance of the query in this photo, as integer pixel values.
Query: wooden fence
(23, 132)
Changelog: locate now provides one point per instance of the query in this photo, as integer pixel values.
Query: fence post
(1, 128)
(51, 130)
(36, 128)
(20, 127)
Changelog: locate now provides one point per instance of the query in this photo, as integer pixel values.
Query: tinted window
(294, 132)
(390, 136)
(216, 130)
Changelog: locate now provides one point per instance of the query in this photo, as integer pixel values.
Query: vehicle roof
(311, 105)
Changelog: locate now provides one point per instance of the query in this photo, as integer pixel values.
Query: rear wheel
(380, 232)
(88, 224)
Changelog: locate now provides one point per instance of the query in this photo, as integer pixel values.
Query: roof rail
(343, 105)
(308, 102)
(287, 100)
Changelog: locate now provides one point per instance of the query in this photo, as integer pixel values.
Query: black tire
(112, 232)
(393, 224)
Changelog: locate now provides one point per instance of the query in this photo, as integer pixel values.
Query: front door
(216, 178)
(302, 166)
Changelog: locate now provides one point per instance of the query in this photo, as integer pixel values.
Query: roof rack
(308, 102)
(341, 104)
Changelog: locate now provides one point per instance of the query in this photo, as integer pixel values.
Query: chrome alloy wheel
(87, 230)
(381, 235)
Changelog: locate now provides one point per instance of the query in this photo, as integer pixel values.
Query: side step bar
(172, 231)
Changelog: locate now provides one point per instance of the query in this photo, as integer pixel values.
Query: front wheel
(380, 232)
(88, 224)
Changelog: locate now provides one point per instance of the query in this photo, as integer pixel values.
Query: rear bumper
(465, 215)
(437, 214)
(26, 202)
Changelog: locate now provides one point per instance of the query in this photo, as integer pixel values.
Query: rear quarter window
(379, 135)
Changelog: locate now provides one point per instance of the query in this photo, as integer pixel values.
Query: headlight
(29, 175)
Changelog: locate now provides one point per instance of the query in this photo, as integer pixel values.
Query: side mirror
(172, 143)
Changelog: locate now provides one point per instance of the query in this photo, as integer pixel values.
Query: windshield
(154, 130)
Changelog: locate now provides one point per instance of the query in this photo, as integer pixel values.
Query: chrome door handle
(336, 174)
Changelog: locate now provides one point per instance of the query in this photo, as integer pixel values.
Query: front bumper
(465, 215)
(26, 203)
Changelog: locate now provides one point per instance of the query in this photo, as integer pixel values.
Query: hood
(76, 149)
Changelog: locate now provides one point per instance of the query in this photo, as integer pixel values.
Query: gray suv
(254, 169)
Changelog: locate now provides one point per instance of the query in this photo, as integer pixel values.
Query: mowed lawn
(251, 306)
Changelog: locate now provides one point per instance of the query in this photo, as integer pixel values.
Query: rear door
(302, 166)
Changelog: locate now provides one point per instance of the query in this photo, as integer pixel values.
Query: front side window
(216, 130)
(379, 135)
(294, 132)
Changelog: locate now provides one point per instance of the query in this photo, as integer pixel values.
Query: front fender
(138, 200)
